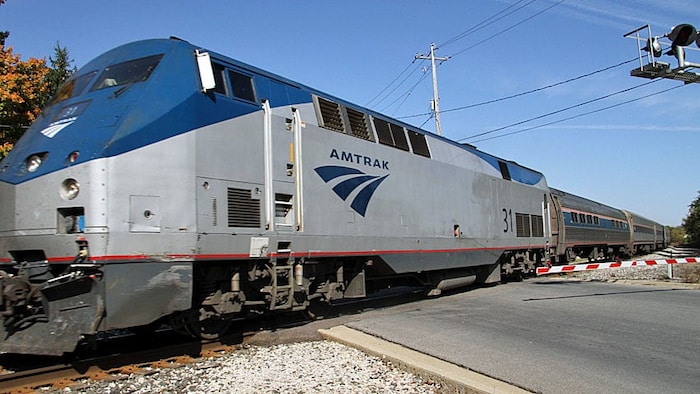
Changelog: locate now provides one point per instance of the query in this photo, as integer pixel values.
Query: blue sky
(642, 156)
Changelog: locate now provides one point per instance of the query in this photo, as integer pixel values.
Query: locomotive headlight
(70, 189)
(33, 162)
(73, 156)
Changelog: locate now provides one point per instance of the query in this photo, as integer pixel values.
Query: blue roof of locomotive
(120, 119)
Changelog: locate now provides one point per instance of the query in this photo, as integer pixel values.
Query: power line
(475, 28)
(392, 82)
(578, 115)
(486, 22)
(561, 110)
(528, 91)
(459, 36)
(426, 121)
(408, 93)
(510, 28)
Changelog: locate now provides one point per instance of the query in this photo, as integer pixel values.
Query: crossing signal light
(653, 46)
(683, 35)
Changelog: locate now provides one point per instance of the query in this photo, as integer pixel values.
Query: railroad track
(165, 349)
(103, 367)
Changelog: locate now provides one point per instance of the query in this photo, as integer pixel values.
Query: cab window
(126, 73)
(72, 87)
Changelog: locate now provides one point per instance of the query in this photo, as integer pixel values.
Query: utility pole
(435, 102)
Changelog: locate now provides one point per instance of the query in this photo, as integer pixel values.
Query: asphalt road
(555, 336)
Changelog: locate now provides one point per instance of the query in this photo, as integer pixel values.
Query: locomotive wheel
(316, 310)
(210, 328)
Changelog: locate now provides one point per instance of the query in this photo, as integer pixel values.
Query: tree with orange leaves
(23, 89)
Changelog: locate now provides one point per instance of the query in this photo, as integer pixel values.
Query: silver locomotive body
(185, 187)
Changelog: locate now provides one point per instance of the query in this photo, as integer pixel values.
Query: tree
(60, 71)
(23, 89)
(691, 223)
(677, 235)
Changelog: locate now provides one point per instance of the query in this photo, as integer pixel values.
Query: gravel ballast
(307, 367)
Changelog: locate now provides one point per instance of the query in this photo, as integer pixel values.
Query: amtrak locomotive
(169, 184)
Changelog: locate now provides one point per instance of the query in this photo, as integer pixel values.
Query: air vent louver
(243, 210)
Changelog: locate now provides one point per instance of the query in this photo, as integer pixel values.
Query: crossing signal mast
(672, 43)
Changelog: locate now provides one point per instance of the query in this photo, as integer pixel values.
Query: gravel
(308, 367)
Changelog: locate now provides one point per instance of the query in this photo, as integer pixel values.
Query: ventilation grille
(342, 119)
(537, 226)
(330, 115)
(358, 124)
(243, 210)
(522, 224)
(399, 137)
(383, 132)
(419, 144)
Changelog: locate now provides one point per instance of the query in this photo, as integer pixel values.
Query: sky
(637, 149)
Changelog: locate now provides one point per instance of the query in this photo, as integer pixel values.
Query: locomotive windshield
(73, 87)
(126, 73)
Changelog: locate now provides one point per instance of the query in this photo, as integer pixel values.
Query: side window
(505, 172)
(220, 79)
(242, 86)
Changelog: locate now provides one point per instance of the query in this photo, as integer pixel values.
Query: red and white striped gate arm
(559, 269)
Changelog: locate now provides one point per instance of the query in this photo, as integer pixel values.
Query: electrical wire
(510, 28)
(469, 31)
(459, 36)
(561, 110)
(486, 22)
(391, 83)
(408, 93)
(528, 91)
(399, 85)
(426, 121)
(578, 115)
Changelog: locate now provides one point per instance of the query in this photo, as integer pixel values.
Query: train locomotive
(167, 183)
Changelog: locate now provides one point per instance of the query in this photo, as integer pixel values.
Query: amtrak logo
(55, 127)
(347, 180)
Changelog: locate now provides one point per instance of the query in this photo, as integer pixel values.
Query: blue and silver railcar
(587, 229)
(647, 234)
(168, 183)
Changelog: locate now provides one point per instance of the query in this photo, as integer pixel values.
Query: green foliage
(677, 235)
(58, 73)
(691, 223)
